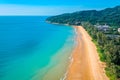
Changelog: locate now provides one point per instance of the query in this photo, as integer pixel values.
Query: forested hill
(110, 16)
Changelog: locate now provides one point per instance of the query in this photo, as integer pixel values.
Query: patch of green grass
(100, 51)
(101, 54)
(110, 73)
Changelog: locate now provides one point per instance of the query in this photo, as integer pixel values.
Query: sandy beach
(85, 60)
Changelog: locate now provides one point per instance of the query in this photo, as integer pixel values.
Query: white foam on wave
(71, 60)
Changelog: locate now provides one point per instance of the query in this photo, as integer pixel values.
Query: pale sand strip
(86, 64)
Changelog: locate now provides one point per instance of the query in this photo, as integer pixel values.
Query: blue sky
(51, 7)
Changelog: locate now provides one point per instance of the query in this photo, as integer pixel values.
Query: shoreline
(60, 24)
(59, 62)
(85, 66)
(94, 69)
(70, 57)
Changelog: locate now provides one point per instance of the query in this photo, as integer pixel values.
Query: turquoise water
(27, 45)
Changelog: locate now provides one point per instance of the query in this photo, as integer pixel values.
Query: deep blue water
(27, 44)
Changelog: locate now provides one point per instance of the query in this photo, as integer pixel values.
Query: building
(102, 27)
(119, 30)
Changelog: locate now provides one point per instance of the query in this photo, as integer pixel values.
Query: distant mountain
(110, 16)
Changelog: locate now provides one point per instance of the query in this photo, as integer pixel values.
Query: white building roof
(118, 29)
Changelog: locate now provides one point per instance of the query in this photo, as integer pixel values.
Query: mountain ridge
(110, 16)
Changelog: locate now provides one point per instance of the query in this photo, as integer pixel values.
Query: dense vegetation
(108, 48)
(111, 16)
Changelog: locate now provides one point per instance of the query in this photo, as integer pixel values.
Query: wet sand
(85, 63)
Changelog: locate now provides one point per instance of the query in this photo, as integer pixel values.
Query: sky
(52, 7)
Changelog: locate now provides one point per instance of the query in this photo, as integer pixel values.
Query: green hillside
(110, 16)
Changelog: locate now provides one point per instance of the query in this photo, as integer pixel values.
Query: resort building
(102, 27)
(119, 30)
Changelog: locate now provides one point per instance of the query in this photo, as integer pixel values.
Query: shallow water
(30, 48)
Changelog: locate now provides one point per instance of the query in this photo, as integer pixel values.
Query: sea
(32, 49)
